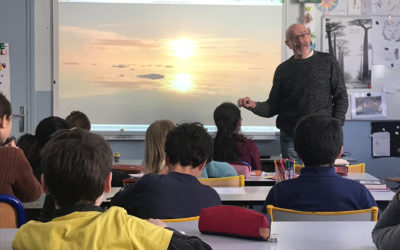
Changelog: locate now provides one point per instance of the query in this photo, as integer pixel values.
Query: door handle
(21, 116)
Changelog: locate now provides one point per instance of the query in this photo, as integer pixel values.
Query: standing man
(308, 82)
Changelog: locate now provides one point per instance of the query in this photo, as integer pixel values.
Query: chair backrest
(283, 214)
(182, 219)
(242, 169)
(12, 213)
(231, 181)
(297, 168)
(356, 168)
(130, 169)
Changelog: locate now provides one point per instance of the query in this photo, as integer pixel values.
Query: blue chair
(12, 213)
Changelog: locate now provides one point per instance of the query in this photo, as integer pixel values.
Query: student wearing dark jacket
(318, 141)
(177, 194)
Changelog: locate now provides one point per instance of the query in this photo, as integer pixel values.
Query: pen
(9, 139)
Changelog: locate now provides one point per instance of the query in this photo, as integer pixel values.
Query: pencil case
(234, 221)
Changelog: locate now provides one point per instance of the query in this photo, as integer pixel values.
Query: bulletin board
(364, 36)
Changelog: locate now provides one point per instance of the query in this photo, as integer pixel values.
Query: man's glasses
(298, 37)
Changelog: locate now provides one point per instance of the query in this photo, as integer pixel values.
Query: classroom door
(16, 29)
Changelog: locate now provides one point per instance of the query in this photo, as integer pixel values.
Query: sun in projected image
(182, 48)
(182, 83)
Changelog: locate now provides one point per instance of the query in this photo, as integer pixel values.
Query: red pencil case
(234, 221)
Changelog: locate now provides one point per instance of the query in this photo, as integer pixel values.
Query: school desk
(254, 195)
(264, 179)
(250, 195)
(290, 235)
(295, 235)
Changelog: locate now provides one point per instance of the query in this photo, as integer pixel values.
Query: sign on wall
(5, 70)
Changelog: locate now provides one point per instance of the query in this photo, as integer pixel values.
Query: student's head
(227, 118)
(154, 145)
(188, 144)
(29, 144)
(298, 39)
(5, 118)
(47, 127)
(75, 166)
(318, 139)
(77, 119)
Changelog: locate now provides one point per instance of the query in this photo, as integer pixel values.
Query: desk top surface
(352, 176)
(259, 193)
(290, 235)
(251, 193)
(295, 235)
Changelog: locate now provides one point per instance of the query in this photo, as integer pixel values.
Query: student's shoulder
(119, 218)
(208, 190)
(351, 184)
(324, 56)
(14, 154)
(11, 150)
(149, 178)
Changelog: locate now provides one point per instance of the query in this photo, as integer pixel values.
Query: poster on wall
(346, 39)
(5, 70)
(333, 7)
(385, 36)
(368, 105)
(385, 7)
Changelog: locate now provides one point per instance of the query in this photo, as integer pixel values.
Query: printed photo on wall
(346, 39)
(368, 105)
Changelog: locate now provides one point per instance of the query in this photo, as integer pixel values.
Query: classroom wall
(357, 139)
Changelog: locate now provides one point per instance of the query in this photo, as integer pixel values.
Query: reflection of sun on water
(182, 82)
(183, 48)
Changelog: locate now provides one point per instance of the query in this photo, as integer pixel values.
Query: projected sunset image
(135, 63)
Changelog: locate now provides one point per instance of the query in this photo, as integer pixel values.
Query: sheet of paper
(366, 7)
(381, 144)
(354, 7)
(385, 40)
(390, 81)
(230, 190)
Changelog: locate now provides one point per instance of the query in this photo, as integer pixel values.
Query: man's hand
(10, 142)
(246, 102)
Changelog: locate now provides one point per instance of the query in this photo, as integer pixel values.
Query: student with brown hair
(16, 176)
(78, 119)
(154, 146)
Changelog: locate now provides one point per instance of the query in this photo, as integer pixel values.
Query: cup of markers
(284, 169)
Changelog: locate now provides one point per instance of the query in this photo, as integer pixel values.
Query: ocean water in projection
(136, 63)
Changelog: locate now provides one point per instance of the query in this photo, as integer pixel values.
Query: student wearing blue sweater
(179, 193)
(318, 141)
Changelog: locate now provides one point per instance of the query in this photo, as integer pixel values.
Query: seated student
(216, 169)
(177, 194)
(77, 172)
(318, 141)
(386, 234)
(154, 146)
(29, 144)
(78, 119)
(16, 176)
(154, 153)
(32, 145)
(229, 144)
